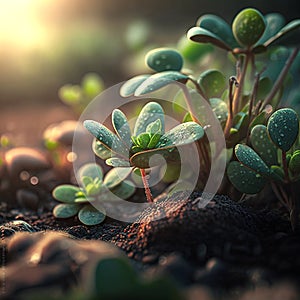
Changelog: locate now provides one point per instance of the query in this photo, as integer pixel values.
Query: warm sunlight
(20, 23)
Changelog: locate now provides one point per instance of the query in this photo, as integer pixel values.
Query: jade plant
(78, 200)
(136, 150)
(263, 56)
(260, 164)
(78, 96)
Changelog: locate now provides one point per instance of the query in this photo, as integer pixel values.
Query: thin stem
(241, 79)
(232, 81)
(198, 88)
(146, 186)
(285, 166)
(281, 77)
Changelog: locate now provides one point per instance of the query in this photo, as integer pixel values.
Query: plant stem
(241, 79)
(228, 126)
(281, 77)
(198, 88)
(285, 166)
(146, 186)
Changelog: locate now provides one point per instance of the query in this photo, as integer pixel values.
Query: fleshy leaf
(89, 215)
(91, 170)
(213, 83)
(219, 27)
(265, 85)
(115, 176)
(66, 210)
(274, 22)
(105, 136)
(248, 27)
(288, 35)
(117, 162)
(244, 179)
(220, 109)
(100, 150)
(151, 112)
(294, 164)
(182, 134)
(262, 144)
(283, 128)
(130, 86)
(249, 158)
(121, 127)
(159, 80)
(65, 193)
(154, 127)
(92, 84)
(201, 35)
(70, 94)
(124, 190)
(164, 59)
(143, 139)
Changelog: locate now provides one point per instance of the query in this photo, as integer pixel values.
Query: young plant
(258, 166)
(138, 149)
(79, 96)
(93, 189)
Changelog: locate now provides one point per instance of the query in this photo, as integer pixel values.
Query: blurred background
(48, 43)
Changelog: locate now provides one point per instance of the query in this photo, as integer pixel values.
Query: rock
(50, 260)
(8, 229)
(27, 199)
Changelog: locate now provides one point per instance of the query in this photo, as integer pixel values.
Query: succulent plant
(93, 189)
(79, 96)
(149, 138)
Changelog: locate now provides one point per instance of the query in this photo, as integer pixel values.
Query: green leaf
(130, 86)
(262, 144)
(117, 162)
(115, 176)
(100, 150)
(154, 141)
(105, 136)
(154, 127)
(294, 164)
(124, 190)
(92, 85)
(248, 27)
(91, 170)
(182, 134)
(150, 113)
(213, 83)
(89, 215)
(111, 273)
(277, 173)
(70, 94)
(201, 35)
(265, 85)
(66, 210)
(143, 139)
(249, 158)
(283, 128)
(164, 59)
(159, 80)
(245, 180)
(65, 193)
(219, 27)
(274, 22)
(288, 35)
(121, 127)
(220, 109)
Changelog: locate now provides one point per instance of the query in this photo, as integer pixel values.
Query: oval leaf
(89, 215)
(248, 27)
(121, 127)
(92, 85)
(220, 109)
(124, 190)
(249, 158)
(283, 128)
(213, 83)
(65, 193)
(262, 144)
(66, 210)
(100, 150)
(105, 136)
(130, 86)
(91, 170)
(151, 112)
(164, 59)
(245, 180)
(117, 162)
(159, 80)
(115, 176)
(182, 134)
(294, 164)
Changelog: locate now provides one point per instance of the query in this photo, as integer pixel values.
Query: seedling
(93, 189)
(138, 150)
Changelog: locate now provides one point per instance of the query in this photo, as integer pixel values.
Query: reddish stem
(146, 186)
